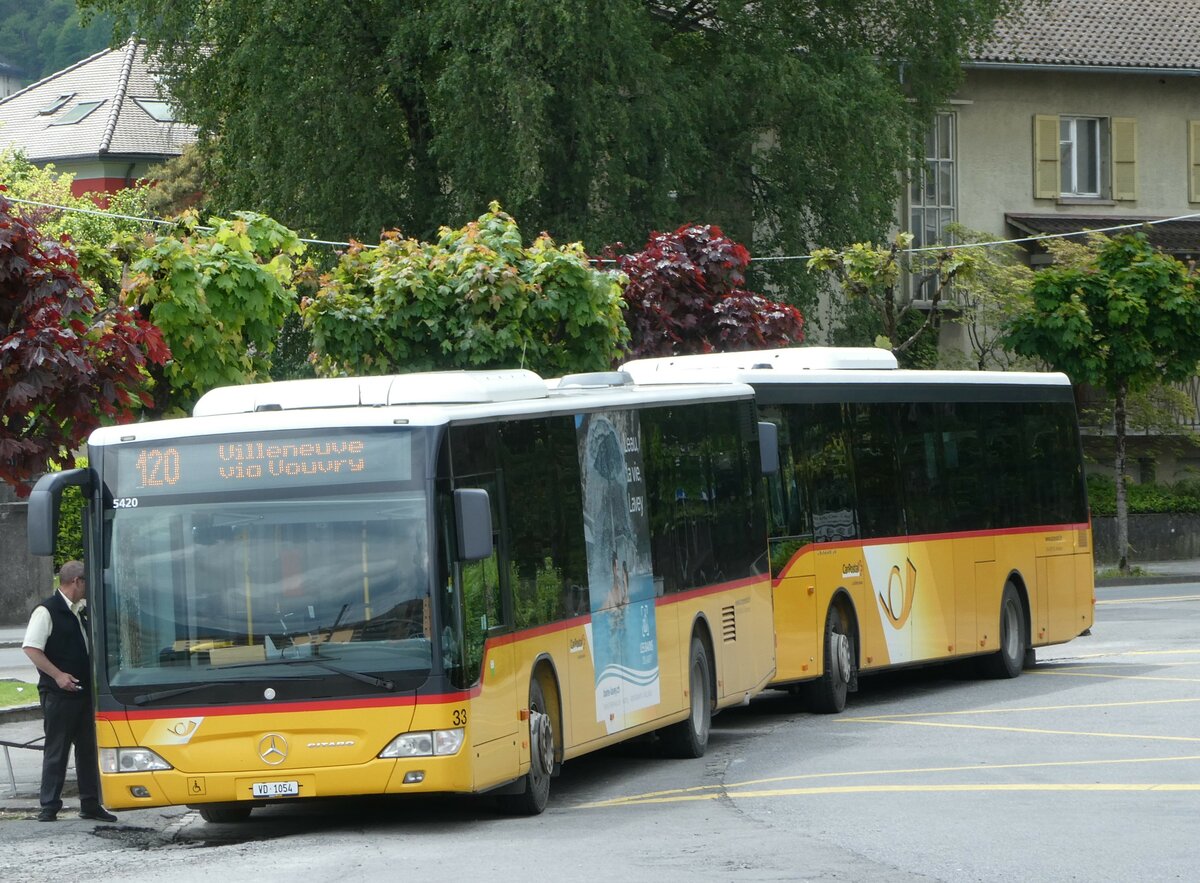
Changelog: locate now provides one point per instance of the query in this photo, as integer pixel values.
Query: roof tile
(1160, 34)
(118, 128)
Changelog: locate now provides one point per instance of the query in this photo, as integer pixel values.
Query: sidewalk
(1155, 572)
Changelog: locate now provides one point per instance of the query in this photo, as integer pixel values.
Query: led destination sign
(189, 466)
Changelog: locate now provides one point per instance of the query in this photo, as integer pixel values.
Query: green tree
(989, 298)
(890, 281)
(1123, 321)
(783, 123)
(44, 37)
(475, 298)
(220, 297)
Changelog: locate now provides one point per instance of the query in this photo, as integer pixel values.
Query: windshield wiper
(381, 683)
(167, 694)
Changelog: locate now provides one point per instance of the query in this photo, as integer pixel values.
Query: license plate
(276, 789)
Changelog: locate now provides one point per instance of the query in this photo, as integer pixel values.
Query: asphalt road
(1087, 767)
(15, 665)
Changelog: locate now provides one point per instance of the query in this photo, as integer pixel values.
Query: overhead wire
(996, 243)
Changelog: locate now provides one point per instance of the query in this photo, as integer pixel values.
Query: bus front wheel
(532, 801)
(1008, 661)
(827, 694)
(689, 737)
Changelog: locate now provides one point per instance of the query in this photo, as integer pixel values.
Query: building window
(933, 195)
(1079, 153)
(80, 111)
(159, 111)
(56, 103)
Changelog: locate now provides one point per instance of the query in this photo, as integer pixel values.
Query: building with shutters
(1076, 115)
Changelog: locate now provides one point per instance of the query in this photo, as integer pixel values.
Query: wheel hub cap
(841, 658)
(541, 740)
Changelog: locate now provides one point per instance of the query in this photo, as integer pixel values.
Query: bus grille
(728, 624)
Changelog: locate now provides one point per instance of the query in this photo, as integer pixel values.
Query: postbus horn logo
(897, 604)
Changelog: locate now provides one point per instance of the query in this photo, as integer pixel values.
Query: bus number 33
(458, 717)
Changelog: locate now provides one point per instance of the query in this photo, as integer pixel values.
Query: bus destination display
(189, 466)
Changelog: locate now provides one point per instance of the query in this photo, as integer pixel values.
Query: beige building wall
(995, 140)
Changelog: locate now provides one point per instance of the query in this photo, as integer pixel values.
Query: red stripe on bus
(676, 597)
(284, 707)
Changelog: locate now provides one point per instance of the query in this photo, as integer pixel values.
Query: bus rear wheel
(533, 799)
(224, 813)
(827, 694)
(689, 737)
(1008, 661)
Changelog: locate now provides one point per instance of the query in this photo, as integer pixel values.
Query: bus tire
(1008, 661)
(689, 737)
(536, 794)
(224, 813)
(827, 694)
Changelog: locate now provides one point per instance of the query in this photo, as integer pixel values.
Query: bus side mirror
(473, 520)
(768, 447)
(44, 501)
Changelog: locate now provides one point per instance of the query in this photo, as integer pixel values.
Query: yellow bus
(917, 516)
(444, 582)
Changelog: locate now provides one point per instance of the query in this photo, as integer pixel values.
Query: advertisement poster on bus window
(623, 634)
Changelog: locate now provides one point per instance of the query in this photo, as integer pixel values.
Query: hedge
(1144, 499)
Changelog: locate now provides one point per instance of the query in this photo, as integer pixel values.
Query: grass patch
(1114, 573)
(17, 693)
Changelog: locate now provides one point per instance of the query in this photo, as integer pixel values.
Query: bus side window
(547, 560)
(827, 457)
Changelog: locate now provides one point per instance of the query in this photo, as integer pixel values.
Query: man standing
(57, 643)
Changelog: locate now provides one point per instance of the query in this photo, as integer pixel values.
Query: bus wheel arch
(689, 737)
(1014, 629)
(544, 734)
(839, 656)
(546, 674)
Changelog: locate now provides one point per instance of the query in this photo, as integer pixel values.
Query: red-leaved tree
(66, 366)
(685, 296)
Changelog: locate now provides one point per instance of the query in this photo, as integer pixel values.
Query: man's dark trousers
(69, 721)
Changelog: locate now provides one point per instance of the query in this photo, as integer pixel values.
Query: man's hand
(67, 681)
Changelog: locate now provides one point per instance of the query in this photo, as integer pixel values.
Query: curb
(1146, 580)
(20, 713)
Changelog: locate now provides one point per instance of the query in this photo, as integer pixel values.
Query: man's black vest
(66, 648)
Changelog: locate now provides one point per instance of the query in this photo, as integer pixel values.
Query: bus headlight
(424, 744)
(130, 760)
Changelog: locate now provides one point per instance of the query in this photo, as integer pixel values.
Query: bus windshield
(211, 588)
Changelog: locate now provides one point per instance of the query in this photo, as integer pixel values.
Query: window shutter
(1124, 158)
(1193, 160)
(1045, 157)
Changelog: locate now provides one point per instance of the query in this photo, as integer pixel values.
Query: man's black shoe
(99, 814)
(47, 816)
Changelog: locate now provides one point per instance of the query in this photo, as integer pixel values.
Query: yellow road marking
(912, 723)
(877, 717)
(972, 768)
(902, 789)
(1072, 673)
(1125, 653)
(1160, 600)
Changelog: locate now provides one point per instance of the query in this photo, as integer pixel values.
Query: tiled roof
(1158, 34)
(118, 127)
(1174, 237)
